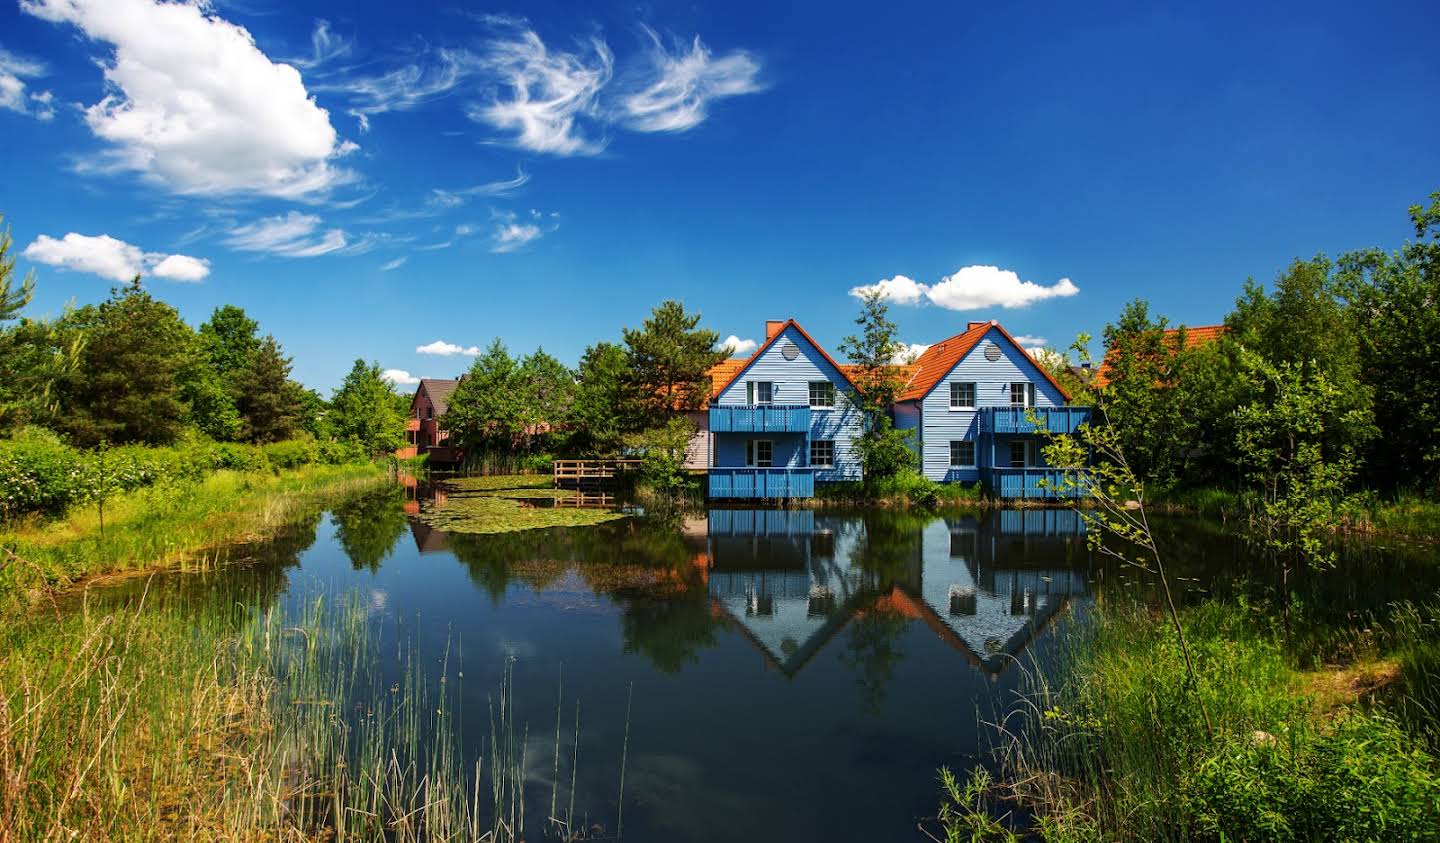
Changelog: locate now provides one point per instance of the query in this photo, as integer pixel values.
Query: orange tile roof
(937, 360)
(1194, 338)
(723, 372)
(771, 341)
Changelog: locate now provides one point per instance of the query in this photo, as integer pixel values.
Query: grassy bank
(175, 523)
(907, 489)
(1403, 514)
(1117, 746)
(177, 716)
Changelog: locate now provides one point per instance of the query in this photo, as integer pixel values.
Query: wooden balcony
(762, 483)
(1029, 483)
(760, 418)
(1023, 420)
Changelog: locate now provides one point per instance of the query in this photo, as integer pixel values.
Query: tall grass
(171, 717)
(1113, 746)
(178, 523)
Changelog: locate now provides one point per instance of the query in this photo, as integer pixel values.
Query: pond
(781, 674)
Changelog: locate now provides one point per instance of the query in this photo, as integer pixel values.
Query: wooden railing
(1029, 483)
(576, 473)
(760, 418)
(762, 483)
(1004, 420)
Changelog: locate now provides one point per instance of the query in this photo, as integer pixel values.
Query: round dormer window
(992, 352)
(790, 350)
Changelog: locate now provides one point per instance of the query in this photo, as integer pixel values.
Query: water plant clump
(489, 505)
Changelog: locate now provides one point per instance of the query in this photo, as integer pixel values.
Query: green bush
(285, 456)
(230, 456)
(1364, 779)
(39, 476)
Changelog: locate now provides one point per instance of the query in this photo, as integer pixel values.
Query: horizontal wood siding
(992, 389)
(697, 450)
(792, 386)
(791, 449)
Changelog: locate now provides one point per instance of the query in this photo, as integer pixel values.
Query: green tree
(1394, 307)
(596, 416)
(267, 400)
(668, 360)
(546, 390)
(1144, 365)
(312, 408)
(35, 355)
(487, 409)
(127, 387)
(229, 339)
(212, 406)
(884, 451)
(364, 410)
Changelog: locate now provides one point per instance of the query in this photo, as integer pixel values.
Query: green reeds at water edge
(167, 717)
(1111, 745)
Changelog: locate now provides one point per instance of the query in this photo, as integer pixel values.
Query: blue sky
(368, 182)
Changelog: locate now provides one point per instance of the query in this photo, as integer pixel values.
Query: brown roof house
(425, 432)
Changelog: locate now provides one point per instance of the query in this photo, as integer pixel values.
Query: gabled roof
(936, 362)
(722, 373)
(789, 323)
(439, 390)
(1194, 338)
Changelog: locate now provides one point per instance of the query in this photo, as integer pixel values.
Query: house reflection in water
(792, 580)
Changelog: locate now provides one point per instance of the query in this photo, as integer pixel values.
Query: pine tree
(668, 360)
(266, 398)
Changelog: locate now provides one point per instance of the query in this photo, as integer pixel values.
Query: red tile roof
(1194, 338)
(439, 390)
(937, 360)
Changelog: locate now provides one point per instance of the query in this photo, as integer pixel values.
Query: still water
(788, 675)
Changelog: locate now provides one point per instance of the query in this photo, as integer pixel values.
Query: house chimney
(772, 327)
(973, 325)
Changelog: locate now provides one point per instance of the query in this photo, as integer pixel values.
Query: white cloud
(293, 235)
(681, 85)
(1047, 358)
(511, 236)
(1028, 341)
(900, 290)
(970, 288)
(395, 264)
(113, 259)
(181, 268)
(541, 94)
(404, 88)
(193, 104)
(738, 346)
(399, 377)
(457, 197)
(325, 46)
(14, 70)
(446, 349)
(907, 353)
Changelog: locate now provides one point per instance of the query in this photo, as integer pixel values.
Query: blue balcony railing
(760, 418)
(1014, 420)
(762, 483)
(1031, 483)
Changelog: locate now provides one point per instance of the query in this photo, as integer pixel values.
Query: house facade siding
(939, 425)
(791, 387)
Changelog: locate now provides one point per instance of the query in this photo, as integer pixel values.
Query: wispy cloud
(14, 70)
(395, 264)
(1027, 341)
(511, 233)
(970, 288)
(292, 235)
(455, 197)
(436, 75)
(738, 346)
(194, 105)
(325, 46)
(442, 348)
(113, 259)
(538, 95)
(676, 91)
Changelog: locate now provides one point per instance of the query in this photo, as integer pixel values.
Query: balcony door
(759, 453)
(1020, 454)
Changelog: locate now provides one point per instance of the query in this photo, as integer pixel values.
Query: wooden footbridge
(591, 474)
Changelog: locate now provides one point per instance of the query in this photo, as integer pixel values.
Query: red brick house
(425, 432)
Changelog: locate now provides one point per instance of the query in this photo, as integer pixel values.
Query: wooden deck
(590, 474)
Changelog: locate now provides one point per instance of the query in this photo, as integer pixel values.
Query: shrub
(40, 476)
(341, 452)
(292, 454)
(1363, 779)
(234, 457)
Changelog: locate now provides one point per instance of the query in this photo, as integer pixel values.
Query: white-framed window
(1022, 394)
(822, 453)
(962, 453)
(822, 394)
(759, 453)
(1019, 455)
(759, 392)
(962, 396)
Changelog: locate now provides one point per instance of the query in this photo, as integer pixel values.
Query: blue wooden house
(979, 404)
(783, 422)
